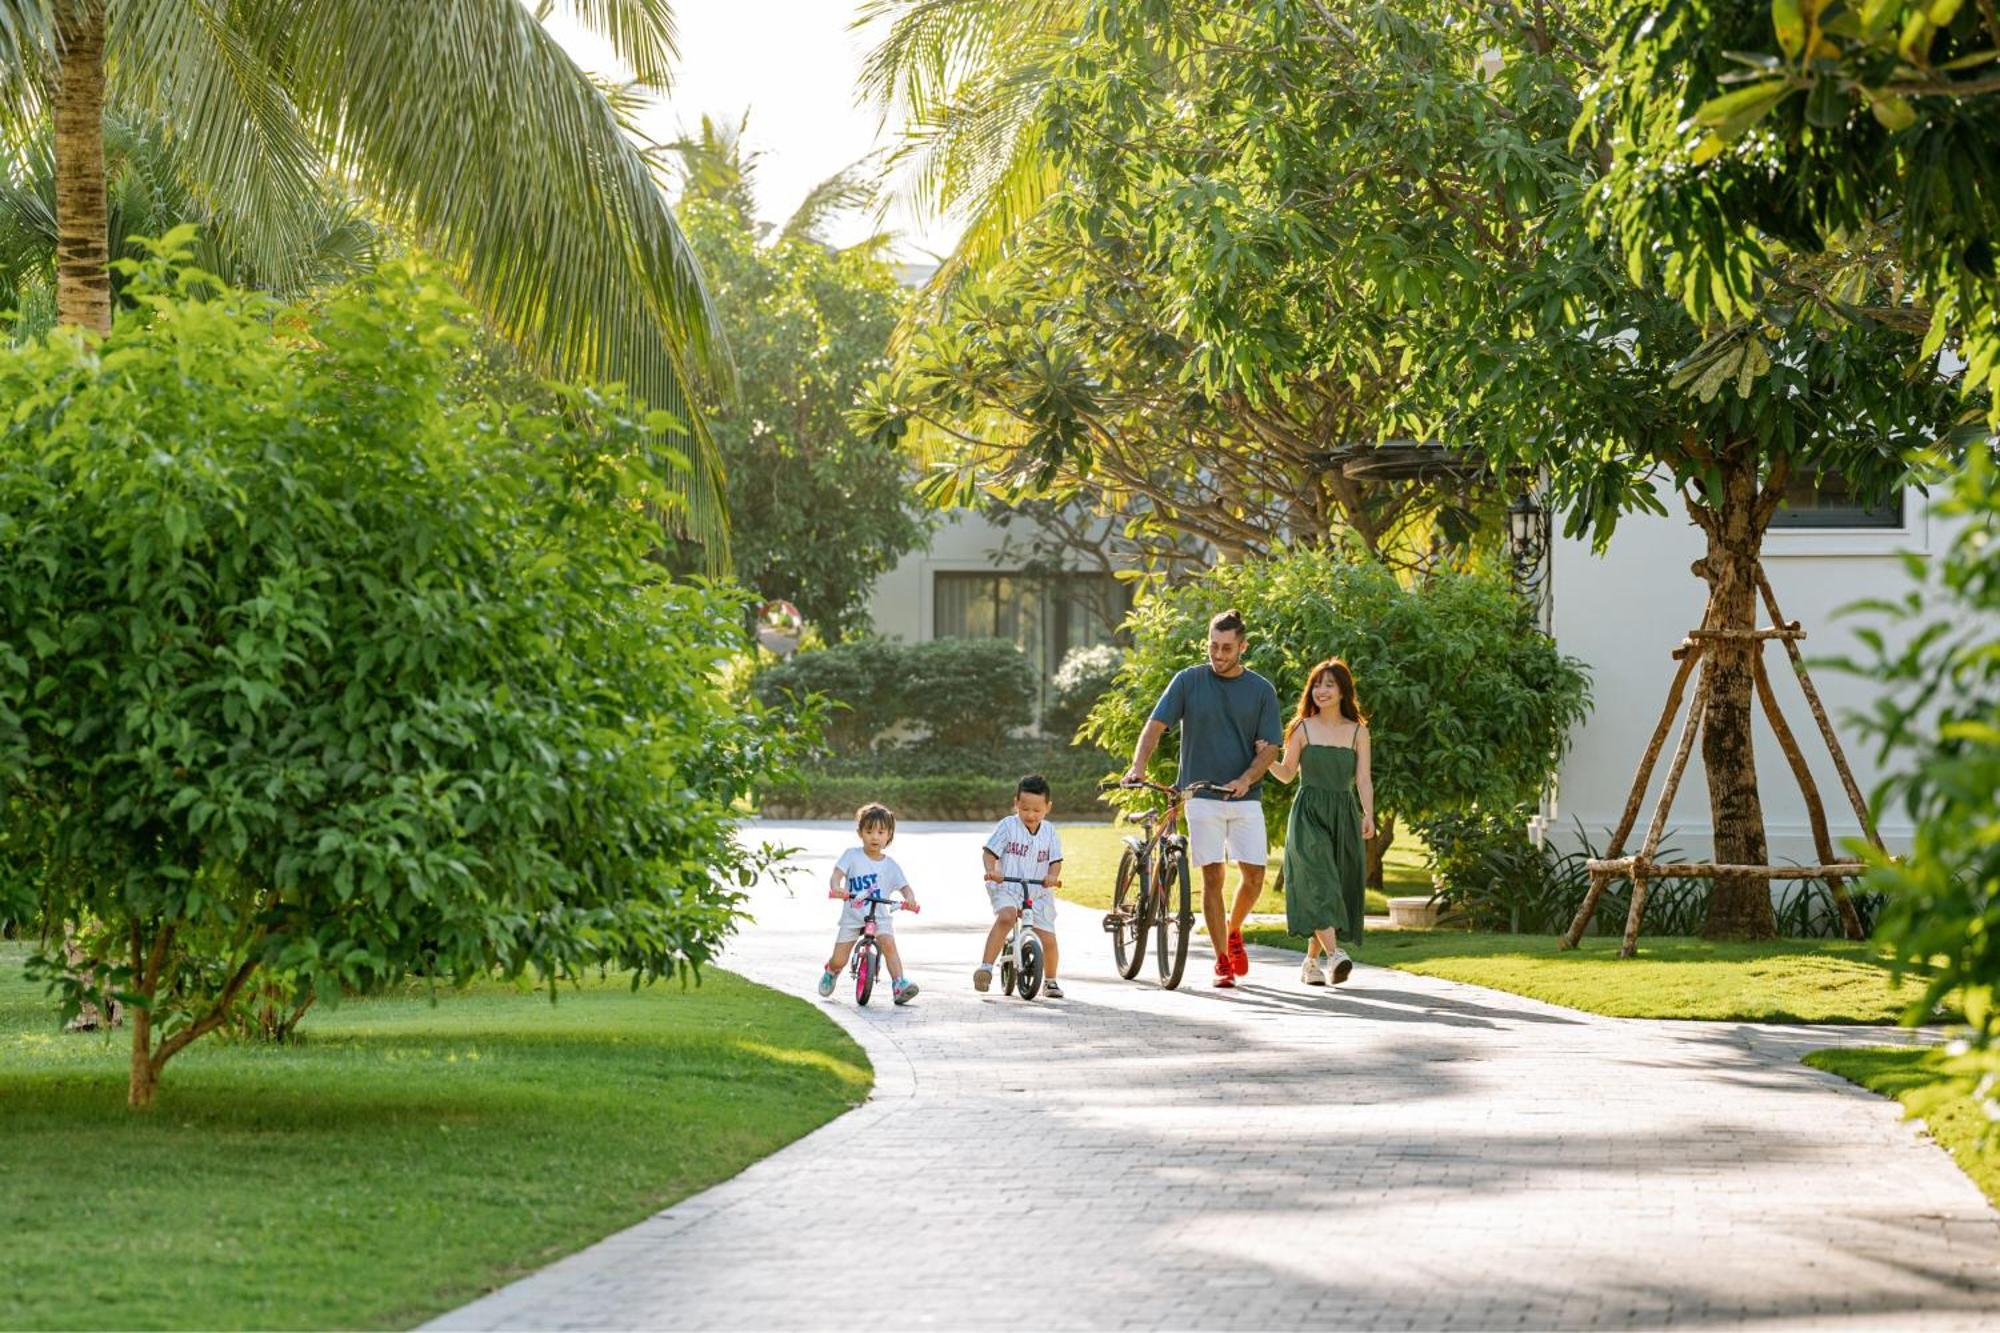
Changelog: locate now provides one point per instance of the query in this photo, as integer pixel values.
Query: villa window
(1829, 501)
(1046, 615)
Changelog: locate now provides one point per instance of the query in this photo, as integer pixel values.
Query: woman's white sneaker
(1311, 975)
(1338, 966)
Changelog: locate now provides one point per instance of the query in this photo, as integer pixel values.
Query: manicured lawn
(1939, 1088)
(397, 1161)
(1090, 868)
(1808, 981)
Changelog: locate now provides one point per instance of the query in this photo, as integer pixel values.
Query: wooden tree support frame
(1641, 867)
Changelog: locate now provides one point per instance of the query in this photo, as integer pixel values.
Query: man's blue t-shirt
(1221, 722)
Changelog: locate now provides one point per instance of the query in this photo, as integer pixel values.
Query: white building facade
(1624, 612)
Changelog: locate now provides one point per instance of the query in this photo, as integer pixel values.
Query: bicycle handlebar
(873, 898)
(1120, 784)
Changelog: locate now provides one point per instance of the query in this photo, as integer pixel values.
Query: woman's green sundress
(1325, 860)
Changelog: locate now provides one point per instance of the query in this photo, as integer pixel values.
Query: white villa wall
(901, 605)
(1624, 612)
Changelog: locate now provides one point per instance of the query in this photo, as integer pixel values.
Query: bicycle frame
(1014, 955)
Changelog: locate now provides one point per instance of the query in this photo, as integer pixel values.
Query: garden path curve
(1401, 1152)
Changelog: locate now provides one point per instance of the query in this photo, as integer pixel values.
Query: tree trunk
(83, 247)
(1378, 849)
(139, 1093)
(1734, 520)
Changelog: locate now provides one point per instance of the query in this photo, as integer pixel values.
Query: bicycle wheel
(1174, 927)
(1031, 968)
(1131, 913)
(864, 971)
(1007, 970)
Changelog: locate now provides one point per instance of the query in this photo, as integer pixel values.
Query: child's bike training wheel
(1130, 915)
(1031, 968)
(864, 973)
(1175, 909)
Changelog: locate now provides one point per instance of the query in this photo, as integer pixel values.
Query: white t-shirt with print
(1024, 855)
(865, 877)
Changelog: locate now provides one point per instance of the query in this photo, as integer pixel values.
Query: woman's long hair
(1350, 707)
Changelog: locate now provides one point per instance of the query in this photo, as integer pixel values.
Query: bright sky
(793, 65)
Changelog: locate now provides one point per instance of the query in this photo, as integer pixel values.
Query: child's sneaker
(1053, 990)
(905, 991)
(982, 977)
(825, 983)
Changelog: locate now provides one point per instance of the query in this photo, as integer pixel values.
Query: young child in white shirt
(863, 872)
(1023, 846)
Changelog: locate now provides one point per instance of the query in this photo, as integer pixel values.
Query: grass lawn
(400, 1159)
(1806, 981)
(1939, 1088)
(1090, 868)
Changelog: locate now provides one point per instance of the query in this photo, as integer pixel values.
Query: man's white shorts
(1042, 916)
(852, 915)
(1226, 831)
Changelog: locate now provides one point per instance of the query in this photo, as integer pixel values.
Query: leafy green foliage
(320, 665)
(1467, 703)
(961, 691)
(1938, 727)
(817, 511)
(1830, 140)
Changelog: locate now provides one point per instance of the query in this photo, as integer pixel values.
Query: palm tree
(148, 194)
(966, 78)
(461, 121)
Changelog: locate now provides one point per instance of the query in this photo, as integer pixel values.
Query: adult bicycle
(1154, 897)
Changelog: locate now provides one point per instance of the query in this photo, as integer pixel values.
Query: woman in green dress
(1332, 818)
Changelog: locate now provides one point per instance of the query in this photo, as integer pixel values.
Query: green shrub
(861, 681)
(1470, 705)
(959, 797)
(967, 691)
(316, 666)
(1084, 678)
(958, 691)
(1938, 727)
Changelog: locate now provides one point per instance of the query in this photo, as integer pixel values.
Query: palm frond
(846, 191)
(641, 33)
(967, 78)
(184, 65)
(27, 55)
(467, 121)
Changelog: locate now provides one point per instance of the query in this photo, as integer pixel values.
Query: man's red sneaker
(1225, 976)
(1239, 957)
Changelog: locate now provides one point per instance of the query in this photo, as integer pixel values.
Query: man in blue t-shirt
(1230, 733)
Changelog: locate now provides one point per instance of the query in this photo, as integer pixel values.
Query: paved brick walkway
(1399, 1153)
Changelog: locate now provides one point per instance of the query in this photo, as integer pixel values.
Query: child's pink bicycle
(866, 964)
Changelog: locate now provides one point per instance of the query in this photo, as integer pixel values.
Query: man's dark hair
(1231, 620)
(1033, 785)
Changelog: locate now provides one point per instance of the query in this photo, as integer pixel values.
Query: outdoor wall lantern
(1527, 540)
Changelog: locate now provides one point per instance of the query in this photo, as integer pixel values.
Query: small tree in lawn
(319, 668)
(1468, 704)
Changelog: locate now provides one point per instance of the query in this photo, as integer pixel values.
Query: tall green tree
(817, 510)
(461, 120)
(1318, 185)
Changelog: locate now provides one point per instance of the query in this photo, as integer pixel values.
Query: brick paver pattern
(1399, 1152)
